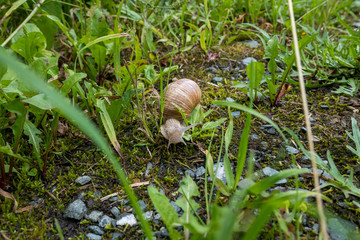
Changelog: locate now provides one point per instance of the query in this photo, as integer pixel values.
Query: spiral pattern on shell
(186, 94)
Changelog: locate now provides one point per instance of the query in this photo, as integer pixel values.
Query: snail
(184, 94)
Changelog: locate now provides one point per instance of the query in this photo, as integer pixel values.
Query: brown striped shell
(186, 94)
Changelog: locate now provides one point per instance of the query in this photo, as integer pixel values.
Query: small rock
(148, 215)
(264, 145)
(92, 236)
(220, 174)
(96, 230)
(176, 207)
(76, 210)
(269, 172)
(269, 129)
(105, 220)
(190, 173)
(312, 119)
(251, 43)
(248, 60)
(254, 136)
(83, 180)
(142, 205)
(127, 218)
(217, 79)
(117, 235)
(357, 25)
(211, 69)
(200, 171)
(157, 217)
(148, 168)
(229, 99)
(163, 232)
(94, 216)
(292, 150)
(115, 211)
(114, 199)
(235, 114)
(324, 106)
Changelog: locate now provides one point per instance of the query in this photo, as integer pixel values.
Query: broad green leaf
(17, 107)
(98, 24)
(210, 125)
(42, 65)
(188, 189)
(268, 182)
(71, 81)
(99, 55)
(30, 42)
(40, 101)
(8, 150)
(272, 47)
(255, 72)
(31, 131)
(3, 70)
(227, 166)
(166, 211)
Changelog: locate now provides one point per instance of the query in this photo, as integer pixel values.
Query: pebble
(217, 79)
(229, 99)
(117, 235)
(254, 136)
(114, 199)
(92, 236)
(163, 232)
(235, 114)
(176, 207)
(142, 205)
(115, 211)
(324, 106)
(211, 69)
(269, 172)
(94, 216)
(148, 168)
(357, 25)
(76, 210)
(251, 43)
(200, 171)
(248, 60)
(264, 145)
(83, 180)
(292, 150)
(221, 172)
(105, 220)
(127, 218)
(190, 173)
(96, 230)
(148, 215)
(269, 129)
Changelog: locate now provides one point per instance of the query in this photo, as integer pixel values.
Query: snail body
(184, 94)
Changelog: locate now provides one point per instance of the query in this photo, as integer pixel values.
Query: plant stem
(308, 125)
(23, 23)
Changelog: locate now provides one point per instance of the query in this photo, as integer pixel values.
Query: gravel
(76, 210)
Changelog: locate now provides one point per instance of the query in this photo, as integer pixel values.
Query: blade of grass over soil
(74, 115)
(308, 125)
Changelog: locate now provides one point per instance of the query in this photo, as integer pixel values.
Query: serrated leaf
(31, 131)
(189, 189)
(39, 101)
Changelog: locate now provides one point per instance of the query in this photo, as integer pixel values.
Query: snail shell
(184, 93)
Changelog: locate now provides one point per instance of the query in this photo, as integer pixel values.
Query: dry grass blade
(308, 126)
(8, 195)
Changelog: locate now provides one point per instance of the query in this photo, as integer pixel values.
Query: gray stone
(190, 173)
(269, 129)
(142, 205)
(117, 235)
(94, 216)
(357, 25)
(115, 211)
(324, 106)
(200, 171)
(127, 218)
(105, 220)
(269, 172)
(76, 210)
(248, 60)
(251, 43)
(114, 199)
(254, 136)
(220, 174)
(163, 232)
(264, 145)
(211, 69)
(148, 215)
(292, 150)
(229, 99)
(312, 119)
(148, 168)
(176, 207)
(83, 180)
(157, 216)
(235, 114)
(96, 229)
(92, 236)
(217, 79)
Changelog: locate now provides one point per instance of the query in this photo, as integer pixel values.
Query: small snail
(186, 95)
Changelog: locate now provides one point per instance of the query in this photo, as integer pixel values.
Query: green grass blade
(74, 115)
